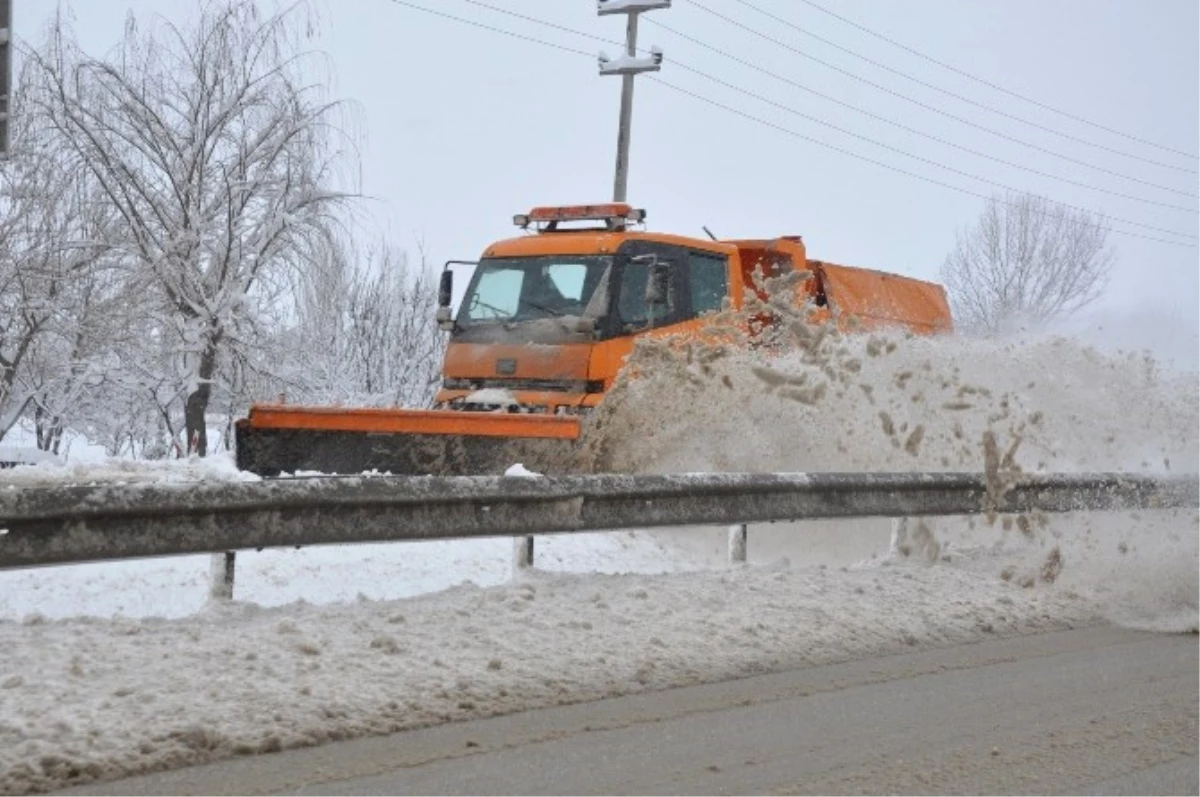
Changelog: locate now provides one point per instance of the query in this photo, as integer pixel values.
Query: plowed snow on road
(86, 698)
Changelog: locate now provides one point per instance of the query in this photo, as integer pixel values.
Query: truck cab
(547, 319)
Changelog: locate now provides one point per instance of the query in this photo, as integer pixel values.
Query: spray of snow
(893, 402)
(1166, 332)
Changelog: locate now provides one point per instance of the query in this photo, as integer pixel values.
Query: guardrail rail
(87, 523)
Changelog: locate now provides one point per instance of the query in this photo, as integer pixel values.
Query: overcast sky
(462, 127)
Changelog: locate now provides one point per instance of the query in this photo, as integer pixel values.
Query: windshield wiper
(501, 315)
(549, 310)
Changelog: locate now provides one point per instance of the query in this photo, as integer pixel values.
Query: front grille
(540, 385)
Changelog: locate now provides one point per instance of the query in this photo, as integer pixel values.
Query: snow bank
(111, 470)
(88, 698)
(178, 586)
(519, 469)
(11, 456)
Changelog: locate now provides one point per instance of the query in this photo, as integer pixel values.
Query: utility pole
(627, 66)
(5, 73)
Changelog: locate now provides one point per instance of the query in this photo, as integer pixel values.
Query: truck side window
(709, 278)
(631, 307)
(633, 313)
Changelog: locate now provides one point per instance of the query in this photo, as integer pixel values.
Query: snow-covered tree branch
(53, 263)
(367, 324)
(216, 150)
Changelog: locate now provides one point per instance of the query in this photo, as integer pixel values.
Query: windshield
(510, 289)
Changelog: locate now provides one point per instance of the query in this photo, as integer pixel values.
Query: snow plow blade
(278, 438)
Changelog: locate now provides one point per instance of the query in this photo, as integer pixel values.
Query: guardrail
(60, 525)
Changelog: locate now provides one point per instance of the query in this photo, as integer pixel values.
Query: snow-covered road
(1032, 714)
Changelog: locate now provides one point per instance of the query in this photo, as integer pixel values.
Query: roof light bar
(614, 214)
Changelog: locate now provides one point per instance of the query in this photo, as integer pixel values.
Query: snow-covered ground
(93, 698)
(117, 668)
(323, 645)
(179, 586)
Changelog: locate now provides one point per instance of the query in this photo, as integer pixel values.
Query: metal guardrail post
(737, 544)
(221, 574)
(522, 553)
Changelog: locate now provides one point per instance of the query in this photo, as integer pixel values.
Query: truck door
(631, 313)
(698, 284)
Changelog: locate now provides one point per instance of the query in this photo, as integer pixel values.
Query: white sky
(461, 127)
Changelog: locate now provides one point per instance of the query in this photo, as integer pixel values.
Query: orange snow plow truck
(543, 329)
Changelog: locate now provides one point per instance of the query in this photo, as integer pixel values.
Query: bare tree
(392, 336)
(1026, 259)
(215, 148)
(367, 330)
(52, 256)
(91, 308)
(24, 313)
(131, 400)
(68, 363)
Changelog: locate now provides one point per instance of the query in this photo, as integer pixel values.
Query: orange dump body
(862, 299)
(514, 389)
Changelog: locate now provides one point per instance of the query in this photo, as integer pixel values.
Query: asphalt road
(1096, 710)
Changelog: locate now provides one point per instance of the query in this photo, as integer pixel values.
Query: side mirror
(445, 321)
(658, 284)
(445, 290)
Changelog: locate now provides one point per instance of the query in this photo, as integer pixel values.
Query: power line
(758, 120)
(890, 167)
(915, 131)
(988, 83)
(475, 24)
(586, 35)
(552, 25)
(874, 85)
(922, 159)
(548, 24)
